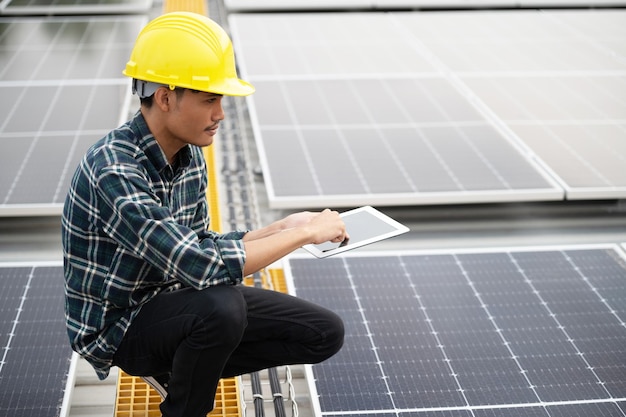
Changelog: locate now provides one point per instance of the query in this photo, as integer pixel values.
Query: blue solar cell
(34, 371)
(433, 332)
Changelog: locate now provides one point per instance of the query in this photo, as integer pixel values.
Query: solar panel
(560, 91)
(387, 109)
(63, 89)
(366, 118)
(491, 332)
(574, 124)
(69, 7)
(37, 364)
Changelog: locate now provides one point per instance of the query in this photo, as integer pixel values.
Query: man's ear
(163, 98)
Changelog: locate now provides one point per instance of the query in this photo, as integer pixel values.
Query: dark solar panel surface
(35, 351)
(504, 333)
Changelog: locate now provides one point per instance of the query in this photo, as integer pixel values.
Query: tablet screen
(364, 225)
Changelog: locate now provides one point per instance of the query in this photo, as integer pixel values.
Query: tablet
(364, 225)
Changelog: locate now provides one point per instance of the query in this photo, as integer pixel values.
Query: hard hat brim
(229, 87)
(233, 87)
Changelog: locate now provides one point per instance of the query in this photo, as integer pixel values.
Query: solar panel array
(351, 109)
(36, 367)
(423, 108)
(517, 332)
(63, 89)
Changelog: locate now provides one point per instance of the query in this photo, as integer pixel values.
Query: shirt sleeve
(132, 215)
(200, 222)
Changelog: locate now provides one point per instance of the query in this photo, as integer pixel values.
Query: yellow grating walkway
(273, 279)
(137, 399)
(134, 397)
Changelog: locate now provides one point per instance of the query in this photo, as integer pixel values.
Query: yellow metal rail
(196, 6)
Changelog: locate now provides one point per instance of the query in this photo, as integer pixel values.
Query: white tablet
(364, 225)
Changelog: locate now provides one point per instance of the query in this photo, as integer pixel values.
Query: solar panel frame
(76, 7)
(283, 5)
(340, 298)
(33, 400)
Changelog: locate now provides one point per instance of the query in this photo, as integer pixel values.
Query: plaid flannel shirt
(132, 227)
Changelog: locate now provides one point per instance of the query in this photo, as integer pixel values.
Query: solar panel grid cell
(35, 362)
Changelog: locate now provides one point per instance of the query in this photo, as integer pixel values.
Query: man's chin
(207, 137)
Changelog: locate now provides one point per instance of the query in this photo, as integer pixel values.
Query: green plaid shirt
(134, 226)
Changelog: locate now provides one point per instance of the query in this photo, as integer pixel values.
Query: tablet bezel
(398, 229)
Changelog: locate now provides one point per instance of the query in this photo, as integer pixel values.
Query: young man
(148, 287)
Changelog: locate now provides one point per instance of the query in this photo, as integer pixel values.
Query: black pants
(222, 331)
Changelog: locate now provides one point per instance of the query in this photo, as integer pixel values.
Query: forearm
(263, 251)
(264, 232)
(269, 244)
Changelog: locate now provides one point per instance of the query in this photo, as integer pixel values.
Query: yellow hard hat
(188, 50)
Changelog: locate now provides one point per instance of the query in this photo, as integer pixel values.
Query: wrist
(282, 225)
(301, 235)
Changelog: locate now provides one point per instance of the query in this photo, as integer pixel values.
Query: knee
(224, 316)
(332, 337)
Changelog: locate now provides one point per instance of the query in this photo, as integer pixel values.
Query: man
(148, 287)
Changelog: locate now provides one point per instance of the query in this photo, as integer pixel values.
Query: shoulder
(120, 147)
